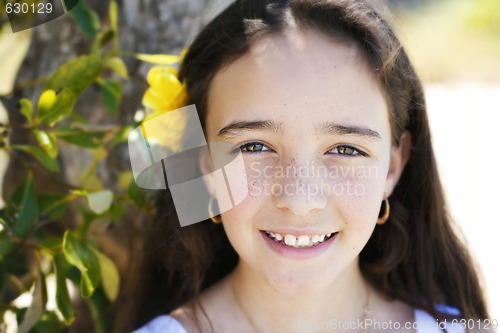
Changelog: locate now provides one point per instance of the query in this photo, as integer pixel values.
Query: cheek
(231, 184)
(253, 183)
(359, 202)
(256, 193)
(246, 183)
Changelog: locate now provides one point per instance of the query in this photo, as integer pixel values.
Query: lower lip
(298, 252)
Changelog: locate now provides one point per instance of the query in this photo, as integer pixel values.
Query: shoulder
(162, 324)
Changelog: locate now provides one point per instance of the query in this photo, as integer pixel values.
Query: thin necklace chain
(242, 309)
(366, 310)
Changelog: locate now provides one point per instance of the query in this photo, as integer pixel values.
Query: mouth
(300, 241)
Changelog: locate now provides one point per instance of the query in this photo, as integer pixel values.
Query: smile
(299, 241)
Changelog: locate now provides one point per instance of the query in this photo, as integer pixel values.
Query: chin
(298, 283)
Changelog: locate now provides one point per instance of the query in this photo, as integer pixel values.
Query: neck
(343, 299)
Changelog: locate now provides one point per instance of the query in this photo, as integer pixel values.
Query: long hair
(415, 257)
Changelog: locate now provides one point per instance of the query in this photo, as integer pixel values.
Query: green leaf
(48, 142)
(27, 109)
(62, 295)
(35, 311)
(88, 218)
(49, 323)
(14, 203)
(2, 278)
(78, 254)
(3, 222)
(7, 245)
(113, 15)
(160, 59)
(76, 75)
(109, 275)
(53, 205)
(16, 197)
(111, 93)
(81, 138)
(62, 108)
(99, 202)
(78, 118)
(50, 246)
(69, 4)
(86, 18)
(117, 212)
(141, 197)
(42, 157)
(102, 39)
(28, 213)
(118, 66)
(51, 243)
(99, 306)
(122, 135)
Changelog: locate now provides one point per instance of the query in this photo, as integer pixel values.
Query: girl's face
(313, 129)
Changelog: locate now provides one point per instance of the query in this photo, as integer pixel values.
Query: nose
(299, 191)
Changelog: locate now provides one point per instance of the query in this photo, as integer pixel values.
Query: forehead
(294, 75)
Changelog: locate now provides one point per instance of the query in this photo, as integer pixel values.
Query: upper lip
(299, 232)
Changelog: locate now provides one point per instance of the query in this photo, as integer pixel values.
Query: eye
(346, 151)
(254, 147)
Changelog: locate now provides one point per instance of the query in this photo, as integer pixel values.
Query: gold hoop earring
(382, 219)
(215, 218)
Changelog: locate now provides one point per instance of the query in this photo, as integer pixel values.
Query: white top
(424, 323)
(162, 324)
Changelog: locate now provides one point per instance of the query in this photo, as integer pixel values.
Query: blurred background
(454, 45)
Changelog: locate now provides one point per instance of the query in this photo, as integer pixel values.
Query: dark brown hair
(415, 257)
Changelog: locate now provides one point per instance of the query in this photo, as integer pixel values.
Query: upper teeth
(300, 241)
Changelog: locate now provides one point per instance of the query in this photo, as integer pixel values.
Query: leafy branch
(31, 250)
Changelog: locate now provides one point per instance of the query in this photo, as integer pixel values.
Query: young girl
(344, 226)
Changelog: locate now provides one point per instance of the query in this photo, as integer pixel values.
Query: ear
(206, 168)
(399, 157)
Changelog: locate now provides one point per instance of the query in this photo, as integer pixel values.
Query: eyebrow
(238, 127)
(339, 129)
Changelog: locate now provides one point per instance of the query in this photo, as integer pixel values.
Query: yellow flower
(166, 93)
(165, 130)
